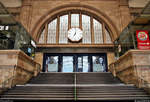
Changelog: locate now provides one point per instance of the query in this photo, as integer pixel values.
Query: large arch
(68, 7)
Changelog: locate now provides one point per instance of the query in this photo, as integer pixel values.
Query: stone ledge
(15, 63)
(131, 52)
(133, 66)
(7, 66)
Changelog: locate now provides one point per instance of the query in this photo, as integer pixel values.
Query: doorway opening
(75, 62)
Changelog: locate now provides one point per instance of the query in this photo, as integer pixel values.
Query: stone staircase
(38, 92)
(96, 78)
(103, 86)
(53, 78)
(75, 86)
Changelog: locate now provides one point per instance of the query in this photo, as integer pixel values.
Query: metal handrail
(75, 87)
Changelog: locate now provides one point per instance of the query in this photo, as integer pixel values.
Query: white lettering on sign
(4, 27)
(1, 27)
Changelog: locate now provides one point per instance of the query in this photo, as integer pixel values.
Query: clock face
(75, 34)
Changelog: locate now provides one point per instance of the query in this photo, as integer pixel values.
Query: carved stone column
(125, 16)
(26, 13)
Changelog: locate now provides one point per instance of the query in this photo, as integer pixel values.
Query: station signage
(4, 27)
(143, 41)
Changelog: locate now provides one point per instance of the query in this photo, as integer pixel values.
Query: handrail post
(75, 89)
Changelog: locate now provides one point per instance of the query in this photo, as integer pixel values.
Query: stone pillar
(110, 58)
(26, 14)
(39, 58)
(125, 16)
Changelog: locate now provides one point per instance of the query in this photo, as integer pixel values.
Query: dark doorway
(75, 62)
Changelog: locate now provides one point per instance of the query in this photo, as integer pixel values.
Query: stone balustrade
(133, 67)
(16, 68)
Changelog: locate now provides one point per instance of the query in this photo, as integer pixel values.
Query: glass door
(99, 63)
(51, 64)
(83, 64)
(67, 64)
(75, 63)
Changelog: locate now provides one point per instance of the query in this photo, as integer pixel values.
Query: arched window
(98, 36)
(63, 29)
(56, 31)
(86, 29)
(51, 35)
(41, 40)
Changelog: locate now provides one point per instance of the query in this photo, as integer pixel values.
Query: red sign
(143, 39)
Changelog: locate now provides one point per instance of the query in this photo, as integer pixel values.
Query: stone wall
(138, 3)
(110, 58)
(132, 67)
(18, 3)
(16, 66)
(34, 12)
(30, 12)
(39, 58)
(12, 3)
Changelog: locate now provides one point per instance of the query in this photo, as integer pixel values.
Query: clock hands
(74, 34)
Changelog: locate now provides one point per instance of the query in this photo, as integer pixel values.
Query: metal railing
(75, 86)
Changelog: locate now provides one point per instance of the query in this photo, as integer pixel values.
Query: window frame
(104, 28)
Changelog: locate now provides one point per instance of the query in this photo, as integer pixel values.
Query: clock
(75, 34)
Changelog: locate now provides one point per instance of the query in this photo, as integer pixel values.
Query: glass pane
(80, 64)
(23, 42)
(13, 35)
(63, 31)
(108, 39)
(52, 32)
(86, 29)
(7, 38)
(97, 32)
(74, 20)
(41, 40)
(83, 64)
(52, 64)
(98, 64)
(67, 64)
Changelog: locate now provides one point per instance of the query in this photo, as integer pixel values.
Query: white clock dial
(75, 34)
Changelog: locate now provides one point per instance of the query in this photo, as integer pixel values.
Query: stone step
(57, 91)
(114, 96)
(123, 99)
(39, 96)
(78, 93)
(48, 93)
(39, 99)
(78, 96)
(60, 86)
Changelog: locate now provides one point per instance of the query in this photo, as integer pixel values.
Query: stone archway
(85, 8)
